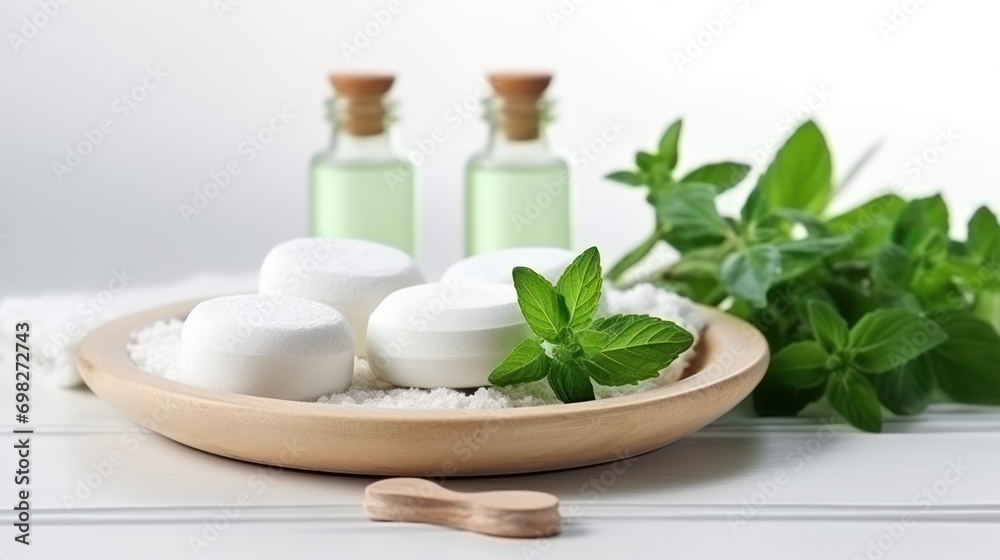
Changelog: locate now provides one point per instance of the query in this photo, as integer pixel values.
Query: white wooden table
(743, 487)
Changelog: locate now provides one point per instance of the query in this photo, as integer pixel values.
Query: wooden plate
(732, 358)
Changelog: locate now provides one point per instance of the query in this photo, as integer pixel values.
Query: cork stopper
(360, 101)
(519, 107)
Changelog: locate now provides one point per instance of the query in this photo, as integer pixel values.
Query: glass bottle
(517, 191)
(360, 188)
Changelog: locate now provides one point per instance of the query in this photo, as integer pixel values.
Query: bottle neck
(517, 128)
(361, 131)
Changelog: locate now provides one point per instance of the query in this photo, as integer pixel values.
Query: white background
(228, 70)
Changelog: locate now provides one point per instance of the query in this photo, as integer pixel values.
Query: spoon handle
(507, 513)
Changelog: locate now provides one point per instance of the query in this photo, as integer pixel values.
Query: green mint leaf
(869, 226)
(987, 307)
(724, 175)
(620, 375)
(814, 246)
(570, 382)
(978, 272)
(755, 209)
(801, 175)
(688, 211)
(829, 328)
(909, 389)
(888, 338)
(543, 308)
(699, 264)
(526, 362)
(852, 300)
(591, 341)
(749, 274)
(683, 242)
(568, 351)
(802, 255)
(696, 274)
(801, 295)
(633, 348)
(934, 246)
(668, 144)
(634, 256)
(580, 287)
(919, 219)
(800, 364)
(894, 277)
(984, 234)
(850, 394)
(645, 161)
(966, 365)
(892, 270)
(625, 178)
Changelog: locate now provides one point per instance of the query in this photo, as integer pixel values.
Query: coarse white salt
(156, 350)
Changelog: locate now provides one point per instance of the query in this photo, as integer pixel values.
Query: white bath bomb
(496, 266)
(350, 275)
(268, 346)
(444, 335)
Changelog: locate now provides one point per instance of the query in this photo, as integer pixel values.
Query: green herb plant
(572, 348)
(874, 307)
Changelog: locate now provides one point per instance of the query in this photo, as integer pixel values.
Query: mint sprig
(882, 341)
(611, 351)
(877, 307)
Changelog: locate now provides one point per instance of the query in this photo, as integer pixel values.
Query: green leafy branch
(885, 306)
(656, 172)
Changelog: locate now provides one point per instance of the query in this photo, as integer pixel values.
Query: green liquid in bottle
(516, 207)
(364, 201)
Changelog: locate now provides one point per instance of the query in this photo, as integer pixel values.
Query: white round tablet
(444, 334)
(496, 266)
(350, 275)
(267, 345)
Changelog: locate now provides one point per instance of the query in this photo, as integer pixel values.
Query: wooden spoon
(507, 513)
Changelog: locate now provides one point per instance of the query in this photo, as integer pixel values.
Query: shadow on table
(689, 463)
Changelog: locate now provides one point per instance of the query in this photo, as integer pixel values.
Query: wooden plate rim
(102, 355)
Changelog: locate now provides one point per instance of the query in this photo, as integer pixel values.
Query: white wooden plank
(729, 469)
(599, 538)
